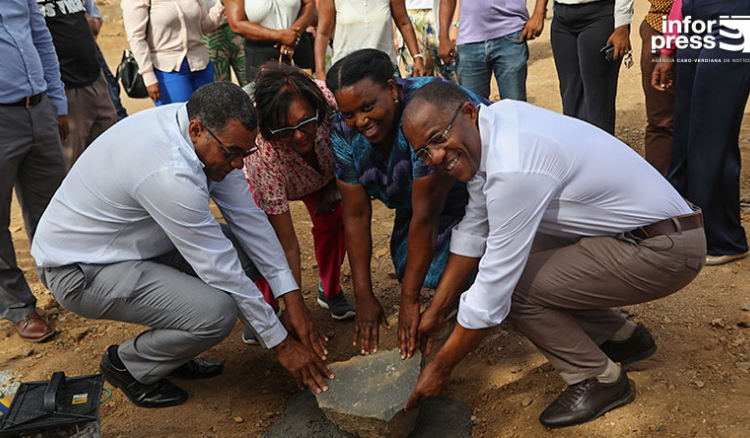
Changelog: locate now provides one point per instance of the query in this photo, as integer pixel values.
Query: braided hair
(365, 63)
(275, 86)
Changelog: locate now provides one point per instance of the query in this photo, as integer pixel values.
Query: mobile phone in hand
(608, 51)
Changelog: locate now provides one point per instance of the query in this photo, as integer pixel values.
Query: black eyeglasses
(437, 141)
(232, 152)
(306, 127)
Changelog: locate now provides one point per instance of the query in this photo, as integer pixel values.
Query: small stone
(527, 401)
(743, 366)
(474, 419)
(270, 414)
(78, 333)
(78, 350)
(368, 395)
(717, 322)
(667, 320)
(28, 351)
(744, 320)
(238, 420)
(699, 383)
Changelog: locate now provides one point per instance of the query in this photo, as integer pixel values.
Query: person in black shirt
(90, 111)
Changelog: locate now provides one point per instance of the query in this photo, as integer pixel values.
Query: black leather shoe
(638, 347)
(586, 401)
(198, 369)
(157, 395)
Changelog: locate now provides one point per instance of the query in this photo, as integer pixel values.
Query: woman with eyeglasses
(294, 162)
(374, 160)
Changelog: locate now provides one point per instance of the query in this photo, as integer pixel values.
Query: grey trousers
(186, 315)
(563, 299)
(31, 160)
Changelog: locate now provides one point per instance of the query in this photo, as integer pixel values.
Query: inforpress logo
(697, 34)
(736, 29)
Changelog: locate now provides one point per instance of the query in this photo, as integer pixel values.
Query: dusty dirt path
(696, 385)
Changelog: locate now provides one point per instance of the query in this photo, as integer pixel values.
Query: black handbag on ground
(132, 81)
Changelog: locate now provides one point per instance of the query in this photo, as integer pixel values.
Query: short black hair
(275, 86)
(218, 103)
(366, 63)
(441, 94)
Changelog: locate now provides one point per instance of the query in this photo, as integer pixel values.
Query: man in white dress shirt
(129, 236)
(563, 222)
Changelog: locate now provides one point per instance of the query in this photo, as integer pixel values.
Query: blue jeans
(178, 86)
(506, 56)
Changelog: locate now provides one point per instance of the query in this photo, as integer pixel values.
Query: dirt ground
(696, 385)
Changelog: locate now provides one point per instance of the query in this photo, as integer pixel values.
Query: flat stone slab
(441, 417)
(368, 395)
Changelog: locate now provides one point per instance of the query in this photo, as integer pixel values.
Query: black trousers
(588, 82)
(259, 52)
(709, 103)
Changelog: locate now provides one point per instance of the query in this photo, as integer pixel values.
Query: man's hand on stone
(433, 381)
(303, 325)
(368, 319)
(408, 322)
(303, 364)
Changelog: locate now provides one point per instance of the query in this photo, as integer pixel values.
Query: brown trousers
(659, 107)
(563, 299)
(90, 112)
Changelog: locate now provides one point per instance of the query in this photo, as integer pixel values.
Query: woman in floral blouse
(294, 162)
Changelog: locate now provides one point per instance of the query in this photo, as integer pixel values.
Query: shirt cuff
(623, 19)
(271, 336)
(467, 245)
(149, 78)
(282, 284)
(473, 318)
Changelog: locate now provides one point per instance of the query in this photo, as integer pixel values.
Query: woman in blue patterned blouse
(374, 160)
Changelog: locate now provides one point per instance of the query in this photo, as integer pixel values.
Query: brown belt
(668, 226)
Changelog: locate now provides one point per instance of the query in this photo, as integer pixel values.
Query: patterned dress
(389, 179)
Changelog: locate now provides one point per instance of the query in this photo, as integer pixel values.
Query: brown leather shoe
(34, 328)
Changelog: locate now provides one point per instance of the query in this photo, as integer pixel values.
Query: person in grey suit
(130, 236)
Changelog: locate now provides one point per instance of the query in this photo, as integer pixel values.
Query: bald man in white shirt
(564, 222)
(130, 236)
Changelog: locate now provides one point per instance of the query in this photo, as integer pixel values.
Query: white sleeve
(179, 202)
(256, 235)
(515, 205)
(623, 12)
(469, 237)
